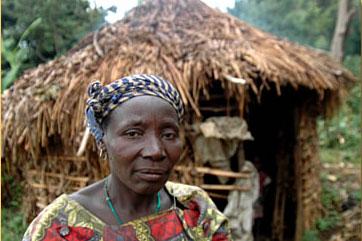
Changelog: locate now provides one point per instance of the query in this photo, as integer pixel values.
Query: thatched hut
(221, 66)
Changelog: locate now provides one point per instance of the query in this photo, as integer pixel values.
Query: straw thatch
(183, 41)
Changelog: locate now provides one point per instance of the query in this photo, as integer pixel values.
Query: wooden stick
(49, 187)
(83, 144)
(235, 80)
(215, 172)
(71, 178)
(40, 205)
(63, 158)
(217, 195)
(41, 198)
(95, 44)
(216, 109)
(224, 187)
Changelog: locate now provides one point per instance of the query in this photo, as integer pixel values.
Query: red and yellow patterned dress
(65, 219)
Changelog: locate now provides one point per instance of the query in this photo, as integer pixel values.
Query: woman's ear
(102, 150)
(101, 145)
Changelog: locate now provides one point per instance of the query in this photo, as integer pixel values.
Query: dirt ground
(346, 178)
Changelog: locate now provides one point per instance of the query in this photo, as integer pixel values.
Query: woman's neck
(127, 201)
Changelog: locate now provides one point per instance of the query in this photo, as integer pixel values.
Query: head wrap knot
(103, 99)
(94, 89)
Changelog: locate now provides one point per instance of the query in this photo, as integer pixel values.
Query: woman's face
(143, 143)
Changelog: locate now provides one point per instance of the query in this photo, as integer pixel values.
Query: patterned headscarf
(103, 99)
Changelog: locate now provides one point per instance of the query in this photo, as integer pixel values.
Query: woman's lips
(151, 175)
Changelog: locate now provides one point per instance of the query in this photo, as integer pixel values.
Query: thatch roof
(184, 41)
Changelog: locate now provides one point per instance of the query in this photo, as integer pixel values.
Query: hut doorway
(272, 122)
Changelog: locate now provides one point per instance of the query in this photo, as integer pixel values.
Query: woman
(135, 121)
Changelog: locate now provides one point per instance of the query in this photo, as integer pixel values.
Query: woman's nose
(154, 148)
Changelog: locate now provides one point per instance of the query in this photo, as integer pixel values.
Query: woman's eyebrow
(133, 122)
(170, 123)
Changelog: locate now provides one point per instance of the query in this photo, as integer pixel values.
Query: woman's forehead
(142, 107)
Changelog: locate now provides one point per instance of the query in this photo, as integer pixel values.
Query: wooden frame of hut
(207, 55)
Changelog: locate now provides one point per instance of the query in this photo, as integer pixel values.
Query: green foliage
(329, 197)
(30, 42)
(15, 56)
(356, 195)
(13, 225)
(304, 22)
(328, 222)
(340, 136)
(13, 190)
(311, 236)
(330, 200)
(353, 41)
(353, 63)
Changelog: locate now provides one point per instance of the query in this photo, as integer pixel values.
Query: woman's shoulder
(180, 188)
(52, 210)
(62, 216)
(200, 209)
(185, 193)
(38, 226)
(89, 196)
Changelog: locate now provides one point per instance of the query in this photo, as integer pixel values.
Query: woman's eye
(132, 134)
(169, 135)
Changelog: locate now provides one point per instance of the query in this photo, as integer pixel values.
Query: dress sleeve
(223, 233)
(201, 214)
(220, 228)
(31, 230)
(52, 224)
(26, 236)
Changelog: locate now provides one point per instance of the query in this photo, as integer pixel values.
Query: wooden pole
(215, 172)
(224, 187)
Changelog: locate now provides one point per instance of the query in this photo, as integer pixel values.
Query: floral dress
(65, 219)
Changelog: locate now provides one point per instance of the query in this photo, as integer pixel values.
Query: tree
(305, 22)
(63, 24)
(345, 14)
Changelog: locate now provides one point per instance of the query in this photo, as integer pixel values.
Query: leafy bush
(330, 200)
(356, 195)
(328, 222)
(329, 197)
(340, 137)
(12, 192)
(13, 225)
(311, 236)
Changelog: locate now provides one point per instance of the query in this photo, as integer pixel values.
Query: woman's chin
(147, 188)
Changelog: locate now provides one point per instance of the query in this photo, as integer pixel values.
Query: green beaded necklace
(114, 211)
